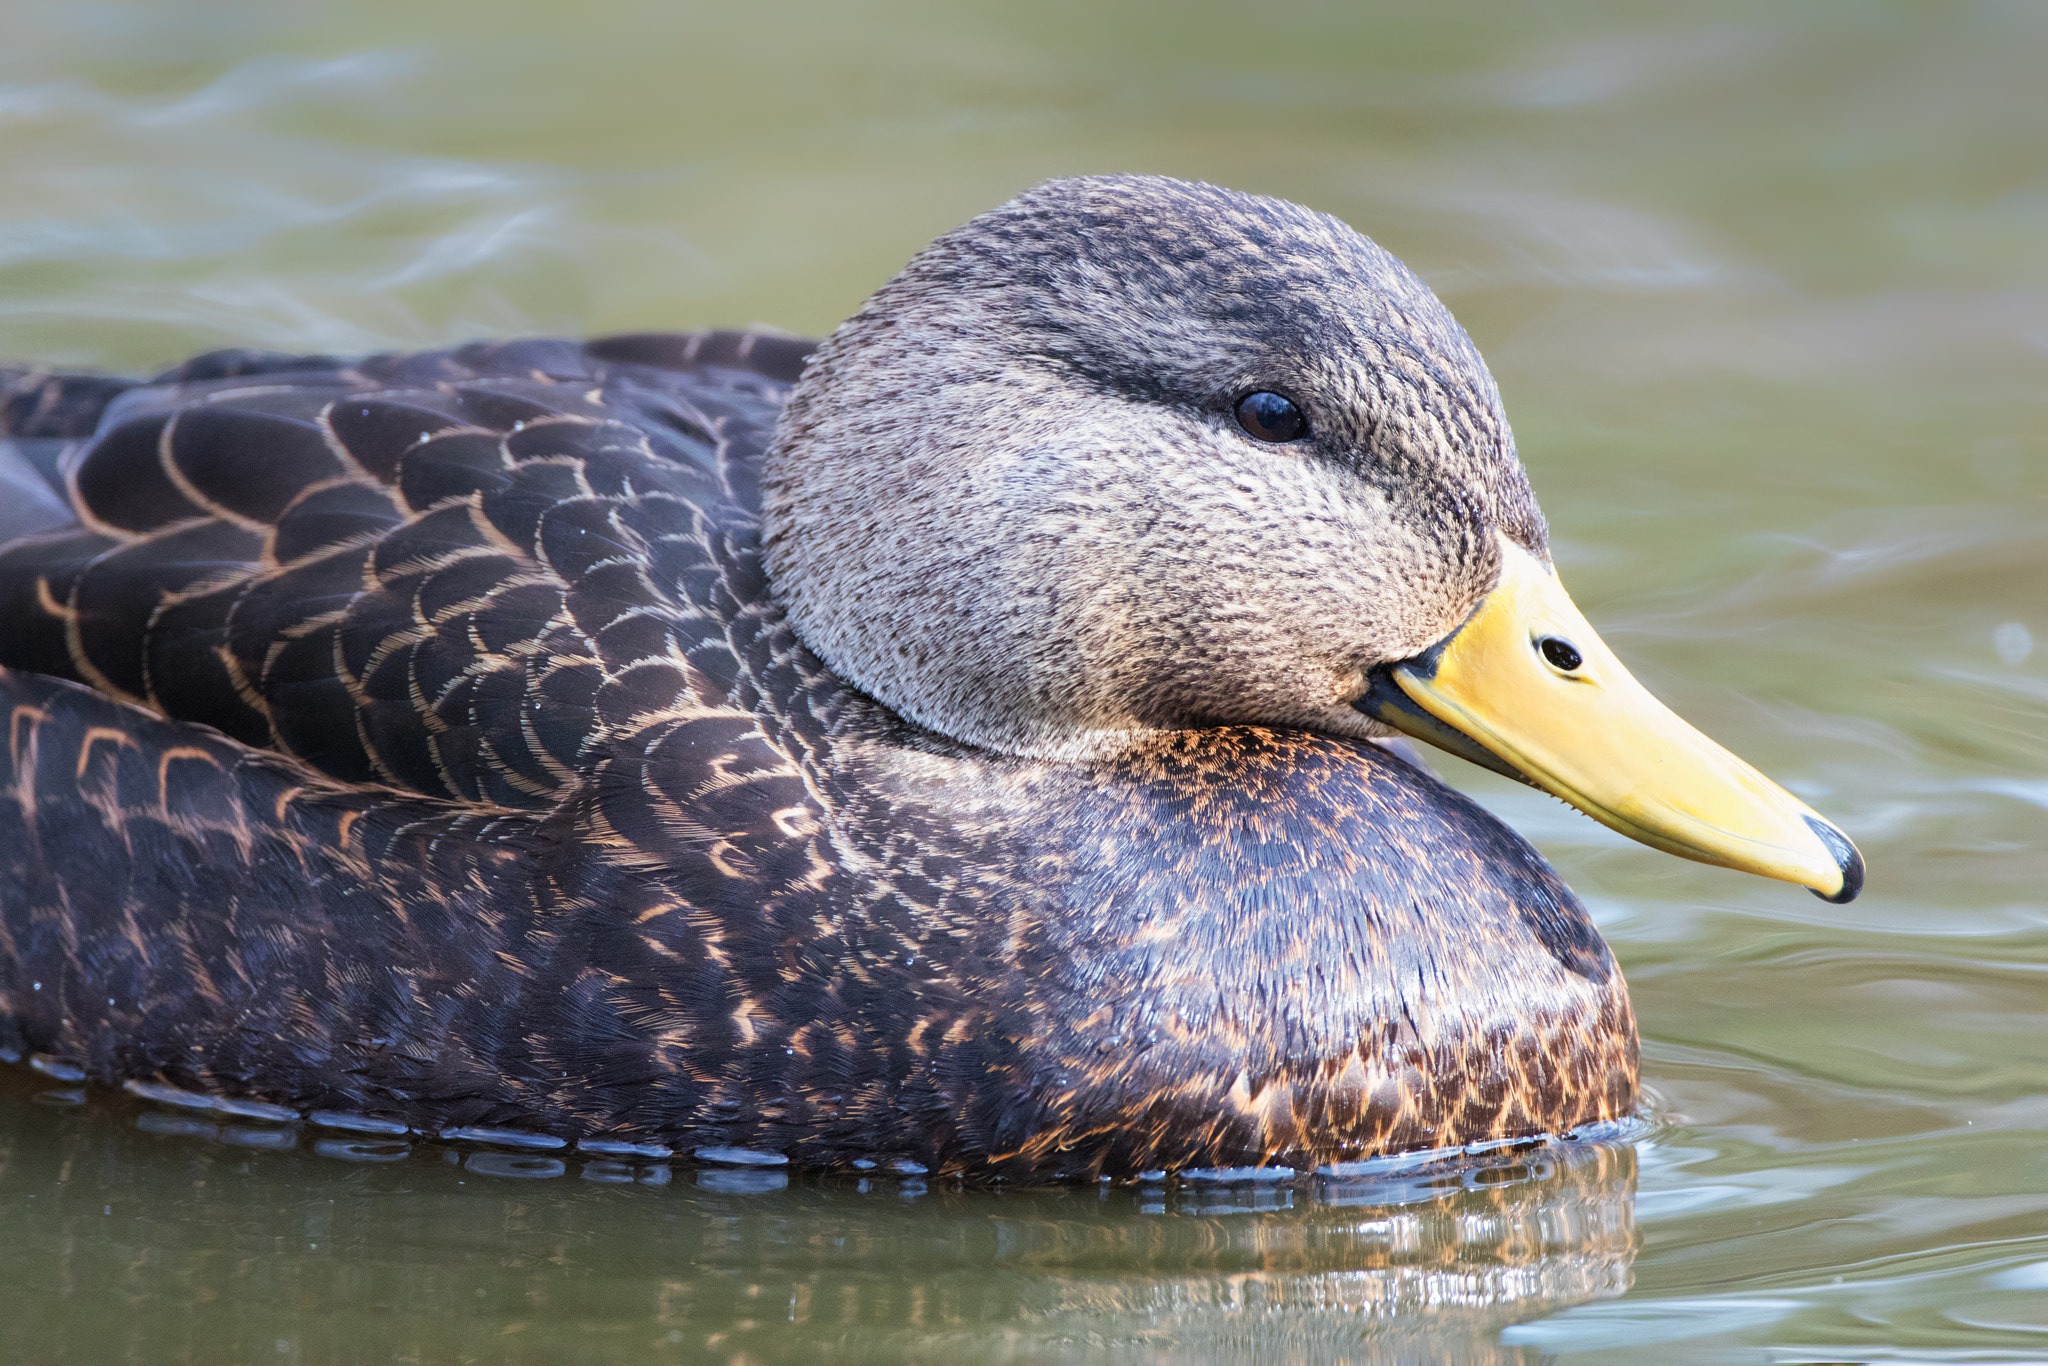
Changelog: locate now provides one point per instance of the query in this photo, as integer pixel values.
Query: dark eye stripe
(1268, 416)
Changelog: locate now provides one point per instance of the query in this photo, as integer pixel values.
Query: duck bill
(1526, 688)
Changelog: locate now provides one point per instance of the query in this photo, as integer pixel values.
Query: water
(1765, 289)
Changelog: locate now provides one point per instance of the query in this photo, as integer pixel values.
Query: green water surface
(1765, 286)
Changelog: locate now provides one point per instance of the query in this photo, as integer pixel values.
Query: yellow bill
(1526, 688)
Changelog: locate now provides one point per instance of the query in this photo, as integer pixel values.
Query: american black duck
(951, 744)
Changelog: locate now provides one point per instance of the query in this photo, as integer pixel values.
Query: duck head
(1129, 454)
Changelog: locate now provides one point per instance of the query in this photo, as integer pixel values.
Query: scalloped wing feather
(459, 573)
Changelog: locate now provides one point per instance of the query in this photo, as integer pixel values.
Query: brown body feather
(525, 808)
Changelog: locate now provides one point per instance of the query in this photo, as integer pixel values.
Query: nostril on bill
(1561, 653)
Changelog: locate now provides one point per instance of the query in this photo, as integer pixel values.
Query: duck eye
(1561, 653)
(1269, 417)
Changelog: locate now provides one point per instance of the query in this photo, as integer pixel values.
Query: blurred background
(1765, 287)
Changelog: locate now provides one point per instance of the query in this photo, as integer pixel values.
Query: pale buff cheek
(1305, 572)
(1347, 687)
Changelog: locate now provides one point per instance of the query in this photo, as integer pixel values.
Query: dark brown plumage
(423, 737)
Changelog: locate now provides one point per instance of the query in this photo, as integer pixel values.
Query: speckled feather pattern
(767, 913)
(420, 737)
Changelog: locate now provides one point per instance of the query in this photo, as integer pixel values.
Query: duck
(968, 745)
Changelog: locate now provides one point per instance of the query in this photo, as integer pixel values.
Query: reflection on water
(237, 1241)
(1765, 292)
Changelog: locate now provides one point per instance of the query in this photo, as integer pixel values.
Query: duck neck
(876, 520)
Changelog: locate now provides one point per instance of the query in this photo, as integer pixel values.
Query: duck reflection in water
(393, 1249)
